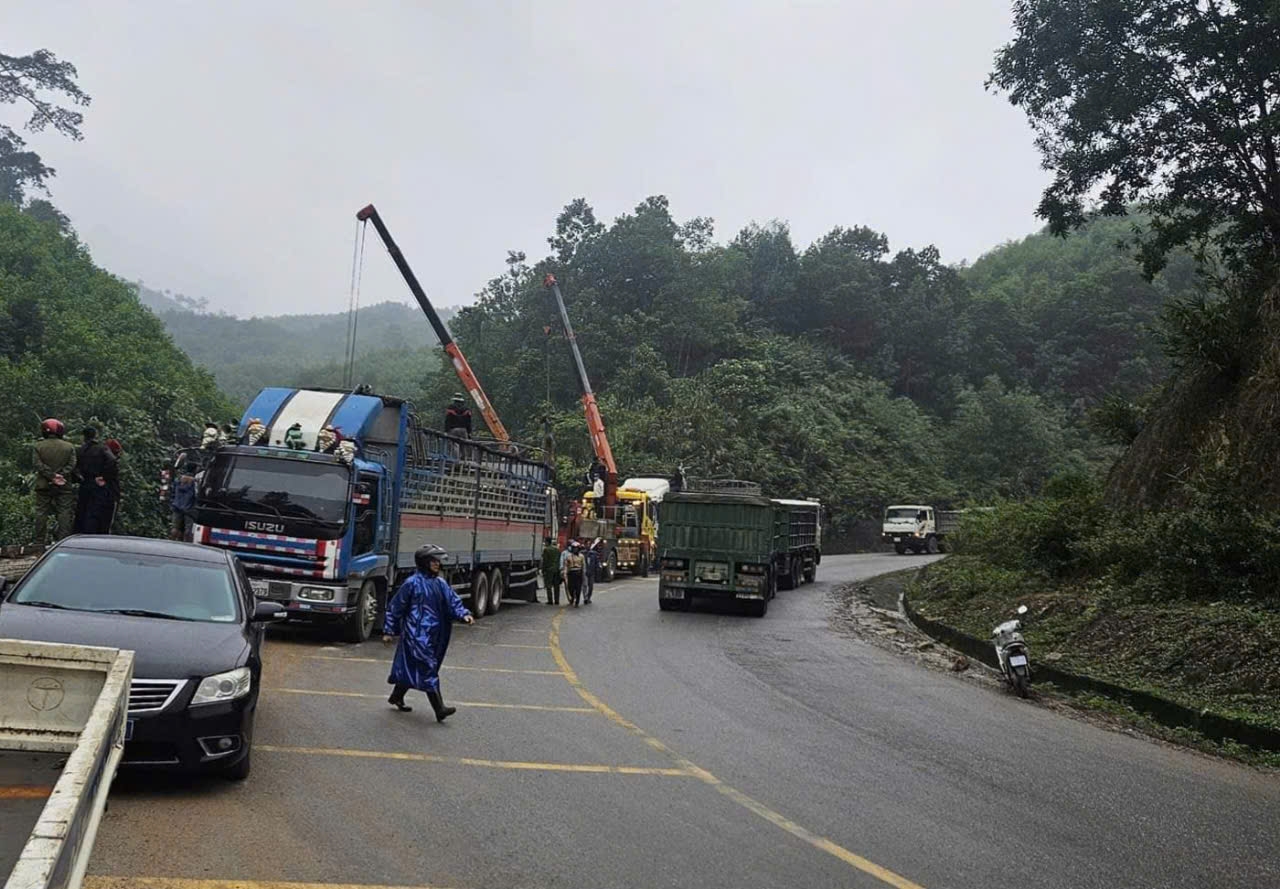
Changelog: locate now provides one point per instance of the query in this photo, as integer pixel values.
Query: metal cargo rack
(722, 486)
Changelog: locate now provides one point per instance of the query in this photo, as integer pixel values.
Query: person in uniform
(574, 568)
(593, 568)
(55, 461)
(551, 571)
(422, 613)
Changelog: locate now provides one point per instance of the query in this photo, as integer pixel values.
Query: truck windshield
(901, 514)
(279, 486)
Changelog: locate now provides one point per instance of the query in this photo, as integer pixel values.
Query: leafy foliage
(26, 79)
(1168, 104)
(76, 344)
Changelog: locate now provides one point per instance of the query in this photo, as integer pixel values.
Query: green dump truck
(725, 540)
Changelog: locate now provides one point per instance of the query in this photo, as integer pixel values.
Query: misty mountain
(396, 349)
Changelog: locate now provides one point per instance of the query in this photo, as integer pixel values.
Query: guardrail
(69, 699)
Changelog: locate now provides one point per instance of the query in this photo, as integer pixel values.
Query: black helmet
(426, 555)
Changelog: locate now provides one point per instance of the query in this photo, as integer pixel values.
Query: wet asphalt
(619, 746)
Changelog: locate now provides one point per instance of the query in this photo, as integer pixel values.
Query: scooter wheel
(1021, 683)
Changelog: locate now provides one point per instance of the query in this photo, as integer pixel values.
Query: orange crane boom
(469, 380)
(595, 423)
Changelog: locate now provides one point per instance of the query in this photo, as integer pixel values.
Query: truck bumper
(708, 591)
(305, 600)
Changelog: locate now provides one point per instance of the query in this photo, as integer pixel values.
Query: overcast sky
(229, 144)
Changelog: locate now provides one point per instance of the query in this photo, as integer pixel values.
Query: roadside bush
(1044, 536)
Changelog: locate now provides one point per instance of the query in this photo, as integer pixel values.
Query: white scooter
(1011, 650)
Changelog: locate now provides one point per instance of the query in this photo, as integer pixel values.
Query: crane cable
(353, 305)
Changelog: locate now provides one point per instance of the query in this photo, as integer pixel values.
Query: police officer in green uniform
(55, 459)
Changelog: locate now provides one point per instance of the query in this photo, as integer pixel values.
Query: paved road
(616, 745)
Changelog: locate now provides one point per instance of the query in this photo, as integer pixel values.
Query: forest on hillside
(841, 369)
(395, 348)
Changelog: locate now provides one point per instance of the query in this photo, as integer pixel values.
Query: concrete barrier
(70, 699)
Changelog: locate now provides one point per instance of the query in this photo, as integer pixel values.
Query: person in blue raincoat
(422, 615)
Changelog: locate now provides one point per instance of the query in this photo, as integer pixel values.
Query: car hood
(164, 649)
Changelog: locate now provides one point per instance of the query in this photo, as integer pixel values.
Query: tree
(1169, 104)
(26, 79)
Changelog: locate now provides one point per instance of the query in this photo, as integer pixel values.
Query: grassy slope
(1209, 655)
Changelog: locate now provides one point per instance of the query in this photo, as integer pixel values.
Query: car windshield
(901, 514)
(149, 585)
(279, 486)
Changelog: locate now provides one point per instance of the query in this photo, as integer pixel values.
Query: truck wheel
(810, 573)
(758, 609)
(359, 624)
(900, 549)
(795, 575)
(496, 588)
(479, 595)
(666, 604)
(931, 546)
(610, 569)
(642, 566)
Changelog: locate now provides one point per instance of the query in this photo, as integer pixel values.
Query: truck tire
(931, 546)
(784, 578)
(359, 624)
(479, 594)
(496, 588)
(609, 570)
(642, 566)
(758, 609)
(900, 549)
(811, 573)
(796, 574)
(666, 604)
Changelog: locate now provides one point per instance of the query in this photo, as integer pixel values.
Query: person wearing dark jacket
(593, 569)
(55, 461)
(180, 506)
(94, 463)
(457, 418)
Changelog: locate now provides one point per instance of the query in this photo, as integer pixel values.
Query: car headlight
(223, 687)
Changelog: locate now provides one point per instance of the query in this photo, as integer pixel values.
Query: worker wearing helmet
(457, 417)
(55, 460)
(422, 614)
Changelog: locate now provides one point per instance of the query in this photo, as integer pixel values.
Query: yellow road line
(589, 768)
(387, 663)
(496, 706)
(26, 791)
(690, 768)
(104, 882)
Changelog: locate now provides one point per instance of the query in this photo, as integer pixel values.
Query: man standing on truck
(422, 615)
(457, 417)
(551, 571)
(55, 459)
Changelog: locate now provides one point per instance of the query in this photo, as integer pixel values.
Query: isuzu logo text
(264, 526)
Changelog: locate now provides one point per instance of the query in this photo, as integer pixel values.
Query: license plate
(1017, 660)
(259, 588)
(128, 729)
(673, 594)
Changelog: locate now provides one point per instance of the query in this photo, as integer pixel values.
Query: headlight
(223, 687)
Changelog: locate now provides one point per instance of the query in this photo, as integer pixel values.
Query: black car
(190, 615)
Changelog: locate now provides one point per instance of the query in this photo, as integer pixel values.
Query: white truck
(920, 529)
(62, 728)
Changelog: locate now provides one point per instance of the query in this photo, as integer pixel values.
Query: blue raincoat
(422, 614)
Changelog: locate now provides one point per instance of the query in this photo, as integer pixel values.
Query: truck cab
(629, 528)
(911, 527)
(313, 525)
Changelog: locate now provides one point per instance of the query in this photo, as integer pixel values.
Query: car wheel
(360, 623)
(240, 770)
(479, 595)
(496, 589)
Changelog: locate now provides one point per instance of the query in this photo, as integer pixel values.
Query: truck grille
(152, 695)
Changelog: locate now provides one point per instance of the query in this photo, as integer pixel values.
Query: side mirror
(266, 612)
(1022, 609)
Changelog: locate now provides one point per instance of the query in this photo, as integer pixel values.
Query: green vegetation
(395, 349)
(838, 370)
(76, 344)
